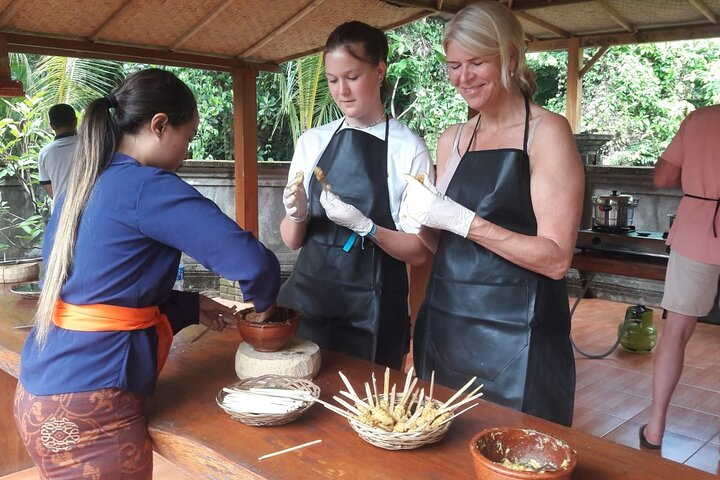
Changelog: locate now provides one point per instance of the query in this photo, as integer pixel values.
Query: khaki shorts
(690, 286)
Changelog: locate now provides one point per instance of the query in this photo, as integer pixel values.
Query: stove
(625, 240)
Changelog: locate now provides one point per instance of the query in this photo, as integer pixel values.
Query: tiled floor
(613, 393)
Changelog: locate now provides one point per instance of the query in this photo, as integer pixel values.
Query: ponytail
(97, 140)
(106, 120)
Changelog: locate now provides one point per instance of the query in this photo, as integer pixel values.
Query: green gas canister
(640, 335)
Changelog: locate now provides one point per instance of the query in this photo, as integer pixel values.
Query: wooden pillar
(245, 138)
(574, 85)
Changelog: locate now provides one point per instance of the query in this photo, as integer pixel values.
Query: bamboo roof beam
(601, 51)
(109, 19)
(665, 34)
(277, 31)
(201, 24)
(542, 24)
(702, 8)
(612, 13)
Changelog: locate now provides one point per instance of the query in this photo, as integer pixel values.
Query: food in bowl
(520, 453)
(271, 334)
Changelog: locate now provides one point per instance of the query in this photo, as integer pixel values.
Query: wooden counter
(189, 429)
(638, 266)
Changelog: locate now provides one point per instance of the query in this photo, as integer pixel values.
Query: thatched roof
(223, 34)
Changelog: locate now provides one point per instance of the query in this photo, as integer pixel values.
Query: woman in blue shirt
(108, 312)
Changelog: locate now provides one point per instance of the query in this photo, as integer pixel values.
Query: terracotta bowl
(518, 453)
(271, 335)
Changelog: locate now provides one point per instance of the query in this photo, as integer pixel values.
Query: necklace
(371, 124)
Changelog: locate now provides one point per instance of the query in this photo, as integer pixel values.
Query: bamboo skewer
(347, 405)
(432, 385)
(296, 447)
(458, 393)
(374, 381)
(457, 414)
(347, 384)
(369, 395)
(468, 399)
(392, 398)
(386, 384)
(355, 399)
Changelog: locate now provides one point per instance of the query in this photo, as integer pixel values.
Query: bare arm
(556, 186)
(666, 175)
(48, 189)
(402, 246)
(293, 233)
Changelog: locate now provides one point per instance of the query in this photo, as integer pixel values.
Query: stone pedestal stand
(300, 359)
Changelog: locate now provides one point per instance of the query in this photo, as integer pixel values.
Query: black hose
(620, 333)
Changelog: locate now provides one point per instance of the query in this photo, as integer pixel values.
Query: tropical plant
(21, 137)
(305, 100)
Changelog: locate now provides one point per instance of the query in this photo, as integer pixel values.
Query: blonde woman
(507, 204)
(107, 313)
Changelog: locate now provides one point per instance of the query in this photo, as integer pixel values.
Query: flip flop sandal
(643, 441)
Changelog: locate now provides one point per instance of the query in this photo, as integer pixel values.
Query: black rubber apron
(354, 301)
(487, 317)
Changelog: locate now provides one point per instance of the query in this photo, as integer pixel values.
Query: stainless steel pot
(614, 210)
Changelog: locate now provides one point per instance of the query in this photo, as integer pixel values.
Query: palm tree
(305, 100)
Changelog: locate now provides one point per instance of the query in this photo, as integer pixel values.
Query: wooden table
(189, 429)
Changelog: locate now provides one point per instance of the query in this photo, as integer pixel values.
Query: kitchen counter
(189, 429)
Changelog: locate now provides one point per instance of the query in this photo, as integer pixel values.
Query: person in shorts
(691, 162)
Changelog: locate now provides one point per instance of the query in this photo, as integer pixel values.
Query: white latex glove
(425, 205)
(344, 214)
(295, 199)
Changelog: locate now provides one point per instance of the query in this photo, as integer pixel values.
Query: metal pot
(613, 211)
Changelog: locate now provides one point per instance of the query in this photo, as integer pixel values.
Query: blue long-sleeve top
(135, 225)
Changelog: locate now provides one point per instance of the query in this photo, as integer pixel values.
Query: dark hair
(373, 41)
(139, 98)
(62, 115)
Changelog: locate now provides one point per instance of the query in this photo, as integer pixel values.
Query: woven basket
(399, 440)
(270, 381)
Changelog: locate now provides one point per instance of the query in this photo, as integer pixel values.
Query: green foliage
(422, 96)
(75, 81)
(638, 93)
(21, 137)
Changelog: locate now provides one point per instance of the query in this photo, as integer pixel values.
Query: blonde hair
(140, 97)
(490, 28)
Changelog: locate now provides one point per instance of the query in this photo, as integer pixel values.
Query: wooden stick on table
(297, 447)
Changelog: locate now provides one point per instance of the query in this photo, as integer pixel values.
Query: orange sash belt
(107, 318)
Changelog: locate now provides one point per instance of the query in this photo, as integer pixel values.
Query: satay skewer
(408, 379)
(374, 382)
(468, 399)
(347, 405)
(355, 399)
(348, 384)
(432, 385)
(386, 384)
(320, 176)
(458, 393)
(369, 395)
(456, 415)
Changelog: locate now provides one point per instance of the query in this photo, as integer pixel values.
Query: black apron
(487, 317)
(355, 301)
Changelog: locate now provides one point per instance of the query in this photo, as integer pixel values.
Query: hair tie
(112, 101)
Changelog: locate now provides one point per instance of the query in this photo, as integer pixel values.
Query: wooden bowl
(518, 453)
(272, 335)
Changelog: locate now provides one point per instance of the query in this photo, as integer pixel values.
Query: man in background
(55, 158)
